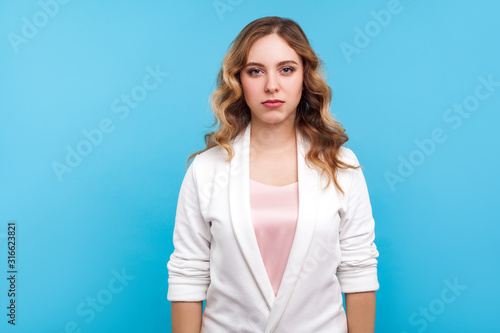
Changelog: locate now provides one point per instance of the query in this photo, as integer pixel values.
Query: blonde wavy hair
(313, 119)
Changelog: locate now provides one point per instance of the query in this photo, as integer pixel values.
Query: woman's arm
(360, 310)
(186, 317)
(189, 264)
(357, 271)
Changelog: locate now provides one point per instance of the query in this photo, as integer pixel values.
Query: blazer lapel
(239, 202)
(309, 188)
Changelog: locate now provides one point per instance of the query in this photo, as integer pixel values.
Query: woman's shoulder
(346, 155)
(210, 158)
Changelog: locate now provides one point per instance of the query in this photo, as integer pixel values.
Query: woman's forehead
(271, 50)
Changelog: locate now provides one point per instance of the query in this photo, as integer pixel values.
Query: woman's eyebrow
(279, 64)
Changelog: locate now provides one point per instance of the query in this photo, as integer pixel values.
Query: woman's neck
(272, 138)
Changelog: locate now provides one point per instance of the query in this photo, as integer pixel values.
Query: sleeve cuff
(186, 292)
(358, 281)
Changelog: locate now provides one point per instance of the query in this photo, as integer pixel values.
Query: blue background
(114, 212)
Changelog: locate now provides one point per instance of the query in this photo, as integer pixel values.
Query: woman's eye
(253, 70)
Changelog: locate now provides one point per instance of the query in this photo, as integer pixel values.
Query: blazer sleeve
(189, 264)
(357, 271)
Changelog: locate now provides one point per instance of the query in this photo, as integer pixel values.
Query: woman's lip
(273, 104)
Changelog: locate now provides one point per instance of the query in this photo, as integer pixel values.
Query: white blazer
(217, 258)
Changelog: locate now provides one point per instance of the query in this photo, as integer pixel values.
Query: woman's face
(273, 71)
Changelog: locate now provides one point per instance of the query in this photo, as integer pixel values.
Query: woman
(273, 221)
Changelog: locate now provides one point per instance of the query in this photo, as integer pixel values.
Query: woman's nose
(272, 83)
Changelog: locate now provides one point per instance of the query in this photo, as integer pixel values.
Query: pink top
(274, 211)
